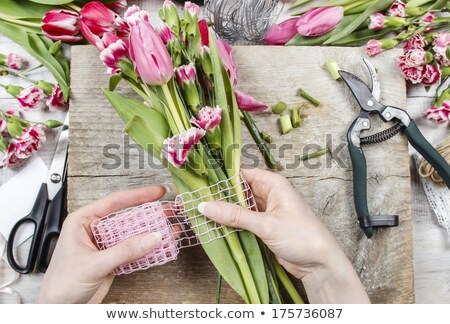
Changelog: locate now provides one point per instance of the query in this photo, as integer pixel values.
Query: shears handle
(36, 217)
(430, 154)
(52, 229)
(366, 221)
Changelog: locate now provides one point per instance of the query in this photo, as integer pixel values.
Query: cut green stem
(296, 118)
(302, 93)
(315, 154)
(267, 137)
(333, 68)
(219, 288)
(271, 163)
(286, 124)
(279, 107)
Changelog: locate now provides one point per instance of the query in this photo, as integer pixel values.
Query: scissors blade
(376, 87)
(361, 92)
(57, 171)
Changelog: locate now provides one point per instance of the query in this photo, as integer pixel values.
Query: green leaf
(23, 9)
(114, 82)
(363, 36)
(376, 7)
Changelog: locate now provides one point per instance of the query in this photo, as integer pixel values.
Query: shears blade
(57, 171)
(376, 86)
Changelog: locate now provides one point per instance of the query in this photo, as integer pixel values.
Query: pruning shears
(368, 100)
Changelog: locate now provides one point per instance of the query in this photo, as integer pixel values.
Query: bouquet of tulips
(188, 118)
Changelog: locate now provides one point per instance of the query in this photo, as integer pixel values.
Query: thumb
(231, 215)
(127, 251)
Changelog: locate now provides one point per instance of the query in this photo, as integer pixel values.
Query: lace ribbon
(4, 287)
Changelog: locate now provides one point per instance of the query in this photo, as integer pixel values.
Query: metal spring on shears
(382, 136)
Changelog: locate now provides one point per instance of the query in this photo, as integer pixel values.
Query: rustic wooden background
(384, 263)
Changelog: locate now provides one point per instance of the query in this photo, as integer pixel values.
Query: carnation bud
(52, 123)
(55, 47)
(415, 11)
(3, 59)
(13, 90)
(3, 144)
(445, 71)
(429, 57)
(45, 86)
(14, 129)
(3, 72)
(169, 14)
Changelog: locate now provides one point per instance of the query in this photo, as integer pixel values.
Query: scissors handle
(36, 217)
(52, 229)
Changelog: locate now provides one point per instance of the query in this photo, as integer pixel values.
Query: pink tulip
(192, 8)
(376, 21)
(282, 33)
(176, 148)
(227, 58)
(186, 73)
(398, 9)
(440, 114)
(132, 16)
(32, 97)
(246, 102)
(115, 50)
(56, 99)
(319, 21)
(16, 62)
(208, 118)
(152, 61)
(96, 20)
(62, 25)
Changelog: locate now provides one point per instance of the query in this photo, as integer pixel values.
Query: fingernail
(152, 239)
(168, 189)
(201, 207)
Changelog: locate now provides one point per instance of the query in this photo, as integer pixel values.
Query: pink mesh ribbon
(179, 222)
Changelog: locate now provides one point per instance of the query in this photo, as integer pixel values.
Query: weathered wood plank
(384, 263)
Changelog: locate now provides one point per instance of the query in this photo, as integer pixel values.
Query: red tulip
(63, 25)
(96, 20)
(152, 61)
(204, 32)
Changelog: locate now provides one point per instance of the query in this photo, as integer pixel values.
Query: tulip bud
(169, 14)
(319, 21)
(62, 24)
(46, 86)
(53, 123)
(13, 90)
(282, 33)
(55, 47)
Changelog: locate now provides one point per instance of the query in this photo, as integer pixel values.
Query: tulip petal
(247, 102)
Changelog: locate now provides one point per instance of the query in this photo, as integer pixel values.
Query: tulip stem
(20, 22)
(73, 6)
(172, 108)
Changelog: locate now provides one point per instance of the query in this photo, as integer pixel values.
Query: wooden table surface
(431, 243)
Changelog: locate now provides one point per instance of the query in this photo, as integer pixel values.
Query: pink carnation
(16, 62)
(373, 47)
(439, 114)
(432, 75)
(413, 74)
(376, 21)
(56, 99)
(176, 148)
(208, 118)
(398, 9)
(415, 42)
(32, 97)
(442, 39)
(414, 58)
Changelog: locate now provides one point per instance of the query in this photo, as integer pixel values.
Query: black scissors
(368, 100)
(47, 214)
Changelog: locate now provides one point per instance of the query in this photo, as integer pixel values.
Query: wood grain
(384, 263)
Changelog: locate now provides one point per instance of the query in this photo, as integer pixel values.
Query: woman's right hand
(297, 237)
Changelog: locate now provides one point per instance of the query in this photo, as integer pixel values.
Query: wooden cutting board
(270, 74)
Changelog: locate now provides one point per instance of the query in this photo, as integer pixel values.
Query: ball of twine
(427, 171)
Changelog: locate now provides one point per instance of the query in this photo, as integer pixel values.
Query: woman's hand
(299, 240)
(79, 272)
